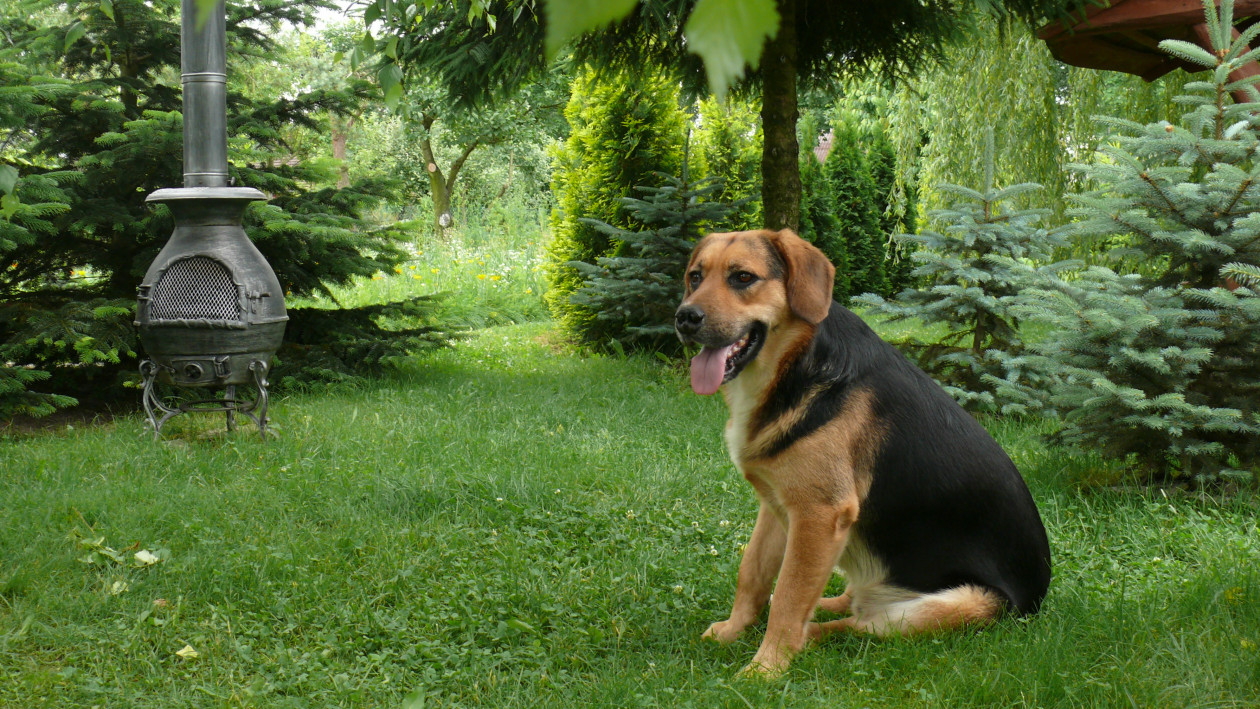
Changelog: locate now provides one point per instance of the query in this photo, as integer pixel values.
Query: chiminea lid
(174, 194)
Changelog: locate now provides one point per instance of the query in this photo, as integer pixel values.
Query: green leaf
(371, 14)
(107, 7)
(567, 19)
(8, 178)
(520, 625)
(391, 48)
(729, 34)
(9, 204)
(390, 78)
(76, 31)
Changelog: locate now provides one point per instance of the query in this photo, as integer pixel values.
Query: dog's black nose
(688, 319)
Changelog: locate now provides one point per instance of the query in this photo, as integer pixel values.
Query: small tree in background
(847, 174)
(112, 133)
(898, 264)
(1160, 369)
(625, 132)
(28, 204)
(728, 147)
(819, 224)
(973, 273)
(634, 293)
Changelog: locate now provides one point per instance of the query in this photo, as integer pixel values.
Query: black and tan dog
(859, 460)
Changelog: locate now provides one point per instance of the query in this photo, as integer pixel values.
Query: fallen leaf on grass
(188, 653)
(144, 557)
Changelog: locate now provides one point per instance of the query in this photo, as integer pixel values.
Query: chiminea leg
(229, 405)
(153, 403)
(260, 379)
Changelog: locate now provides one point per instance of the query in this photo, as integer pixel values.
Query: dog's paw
(767, 669)
(723, 632)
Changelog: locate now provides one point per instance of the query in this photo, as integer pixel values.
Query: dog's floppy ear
(810, 276)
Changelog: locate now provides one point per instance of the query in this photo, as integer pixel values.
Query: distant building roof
(823, 149)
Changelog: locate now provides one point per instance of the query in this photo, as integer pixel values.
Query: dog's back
(946, 506)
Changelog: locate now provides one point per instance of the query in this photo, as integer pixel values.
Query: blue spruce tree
(972, 274)
(1160, 368)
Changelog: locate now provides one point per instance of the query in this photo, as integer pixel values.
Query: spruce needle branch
(1158, 190)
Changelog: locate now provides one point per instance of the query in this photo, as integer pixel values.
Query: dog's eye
(743, 278)
(693, 279)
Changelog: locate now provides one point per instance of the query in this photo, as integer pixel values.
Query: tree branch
(459, 163)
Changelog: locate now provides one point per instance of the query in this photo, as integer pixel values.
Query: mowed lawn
(507, 524)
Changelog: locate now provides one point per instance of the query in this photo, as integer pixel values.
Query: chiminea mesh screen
(195, 287)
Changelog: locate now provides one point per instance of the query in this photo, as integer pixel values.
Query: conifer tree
(1159, 368)
(634, 293)
(898, 264)
(28, 203)
(728, 147)
(972, 275)
(626, 131)
(819, 225)
(853, 196)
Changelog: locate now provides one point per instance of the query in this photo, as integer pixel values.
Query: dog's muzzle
(688, 320)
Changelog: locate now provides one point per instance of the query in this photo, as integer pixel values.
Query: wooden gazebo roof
(1125, 36)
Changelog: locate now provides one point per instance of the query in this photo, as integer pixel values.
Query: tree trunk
(437, 181)
(340, 134)
(780, 167)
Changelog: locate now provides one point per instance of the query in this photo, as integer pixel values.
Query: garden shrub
(727, 146)
(847, 174)
(633, 294)
(90, 145)
(625, 131)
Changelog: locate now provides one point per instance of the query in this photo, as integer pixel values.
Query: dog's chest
(742, 403)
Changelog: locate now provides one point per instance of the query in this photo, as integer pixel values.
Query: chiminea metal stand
(211, 311)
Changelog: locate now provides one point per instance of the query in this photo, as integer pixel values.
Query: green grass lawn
(505, 524)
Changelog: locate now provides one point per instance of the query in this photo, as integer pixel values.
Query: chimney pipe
(204, 67)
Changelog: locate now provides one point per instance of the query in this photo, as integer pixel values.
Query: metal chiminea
(211, 311)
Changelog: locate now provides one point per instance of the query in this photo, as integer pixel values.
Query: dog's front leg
(816, 536)
(762, 559)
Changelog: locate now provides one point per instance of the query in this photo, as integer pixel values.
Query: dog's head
(742, 286)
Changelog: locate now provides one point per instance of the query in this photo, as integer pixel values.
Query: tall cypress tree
(853, 197)
(625, 132)
(634, 293)
(898, 264)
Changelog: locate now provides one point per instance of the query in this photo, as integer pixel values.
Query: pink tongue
(708, 368)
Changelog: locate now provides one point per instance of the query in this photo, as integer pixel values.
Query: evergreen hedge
(625, 131)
